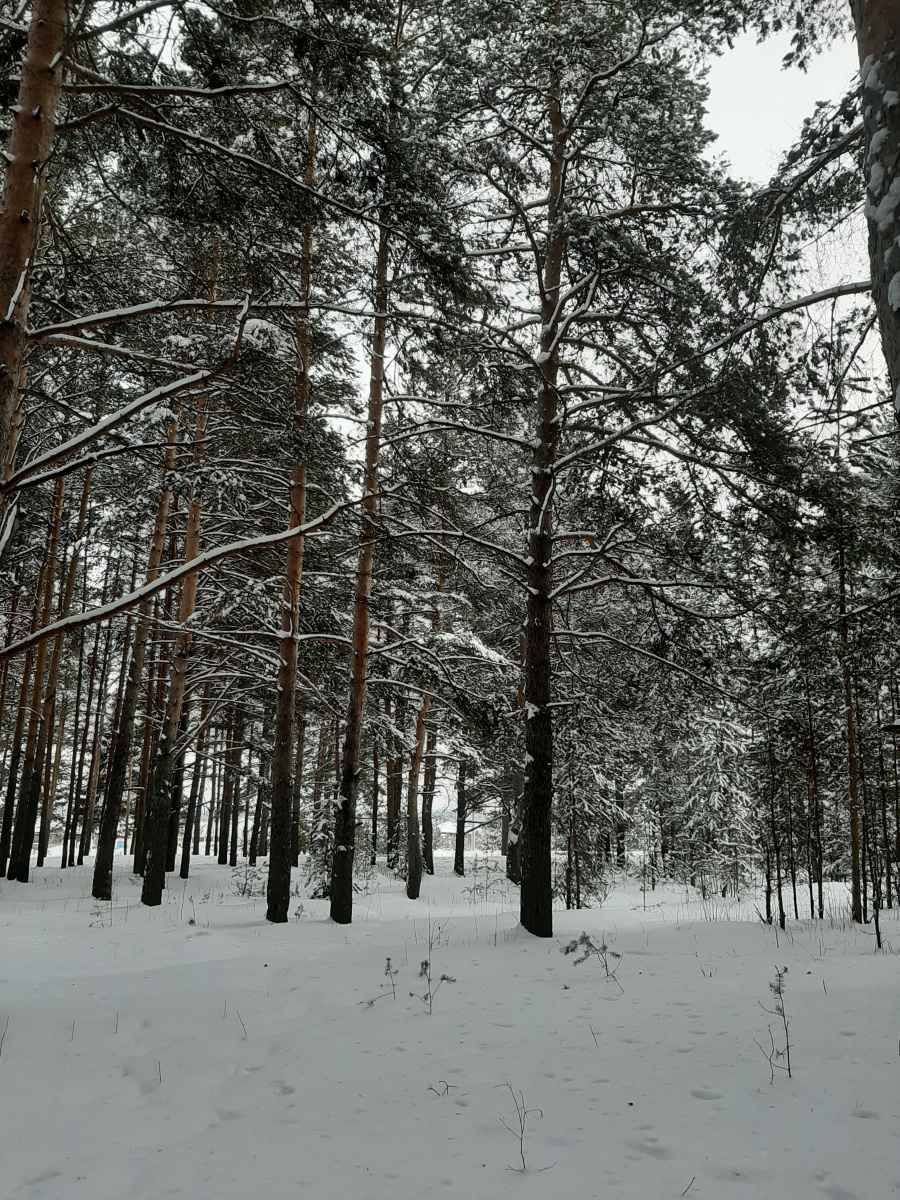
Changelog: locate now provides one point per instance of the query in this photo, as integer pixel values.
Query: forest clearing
(192, 1050)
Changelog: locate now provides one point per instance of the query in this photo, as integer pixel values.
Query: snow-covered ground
(195, 1051)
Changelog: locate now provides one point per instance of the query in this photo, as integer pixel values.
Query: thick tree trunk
(536, 896)
(345, 822)
(23, 187)
(878, 42)
(281, 857)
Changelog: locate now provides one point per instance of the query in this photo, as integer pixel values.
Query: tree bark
(345, 820)
(157, 813)
(23, 188)
(26, 811)
(878, 43)
(459, 856)
(536, 896)
(121, 755)
(414, 861)
(281, 857)
(428, 786)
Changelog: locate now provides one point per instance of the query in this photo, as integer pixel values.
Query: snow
(195, 1051)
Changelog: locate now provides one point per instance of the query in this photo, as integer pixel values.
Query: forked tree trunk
(281, 857)
(23, 187)
(345, 822)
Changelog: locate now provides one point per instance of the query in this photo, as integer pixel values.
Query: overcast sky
(757, 108)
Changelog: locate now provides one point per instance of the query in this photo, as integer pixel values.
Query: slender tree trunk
(227, 790)
(50, 786)
(87, 826)
(429, 783)
(236, 788)
(45, 722)
(816, 802)
(68, 831)
(459, 856)
(345, 823)
(856, 891)
(195, 799)
(413, 833)
(278, 886)
(26, 811)
(16, 751)
(213, 798)
(177, 797)
(297, 790)
(514, 845)
(23, 188)
(157, 815)
(120, 756)
(374, 856)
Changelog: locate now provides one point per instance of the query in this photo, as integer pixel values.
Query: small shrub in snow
(608, 958)
(775, 1054)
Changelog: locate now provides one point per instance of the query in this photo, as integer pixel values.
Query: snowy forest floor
(193, 1050)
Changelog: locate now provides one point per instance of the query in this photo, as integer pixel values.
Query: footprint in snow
(705, 1094)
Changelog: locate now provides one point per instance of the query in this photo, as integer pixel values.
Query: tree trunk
(159, 795)
(345, 818)
(29, 796)
(297, 790)
(429, 782)
(514, 845)
(177, 797)
(878, 43)
(459, 856)
(23, 187)
(855, 878)
(281, 857)
(195, 799)
(413, 833)
(237, 747)
(121, 754)
(536, 896)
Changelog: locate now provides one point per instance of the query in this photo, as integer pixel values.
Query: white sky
(757, 108)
